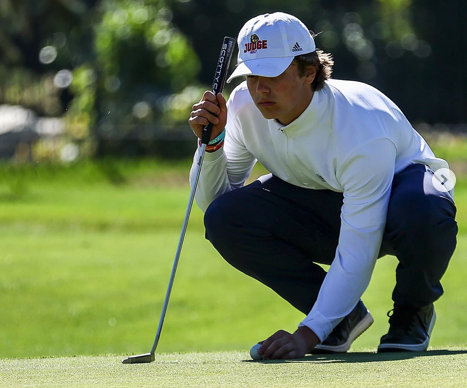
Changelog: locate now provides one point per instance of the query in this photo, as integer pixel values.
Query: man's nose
(261, 86)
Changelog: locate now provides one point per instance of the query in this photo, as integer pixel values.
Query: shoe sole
(382, 348)
(358, 330)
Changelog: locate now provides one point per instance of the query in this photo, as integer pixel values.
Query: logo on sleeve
(255, 45)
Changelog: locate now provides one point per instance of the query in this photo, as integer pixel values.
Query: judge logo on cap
(255, 44)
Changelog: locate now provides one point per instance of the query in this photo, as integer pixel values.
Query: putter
(220, 77)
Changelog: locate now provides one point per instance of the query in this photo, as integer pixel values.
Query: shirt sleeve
(225, 169)
(366, 177)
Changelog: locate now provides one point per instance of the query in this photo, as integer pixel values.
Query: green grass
(441, 368)
(448, 146)
(86, 254)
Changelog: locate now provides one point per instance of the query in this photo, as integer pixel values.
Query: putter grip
(220, 76)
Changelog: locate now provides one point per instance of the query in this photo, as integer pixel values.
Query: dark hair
(320, 60)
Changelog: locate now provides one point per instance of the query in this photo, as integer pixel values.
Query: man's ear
(310, 75)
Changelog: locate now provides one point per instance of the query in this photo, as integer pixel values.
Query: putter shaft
(180, 244)
(149, 357)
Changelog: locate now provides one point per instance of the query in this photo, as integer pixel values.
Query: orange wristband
(215, 147)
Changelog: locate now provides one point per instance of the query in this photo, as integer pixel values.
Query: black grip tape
(220, 76)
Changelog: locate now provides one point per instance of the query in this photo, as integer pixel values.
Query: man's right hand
(211, 109)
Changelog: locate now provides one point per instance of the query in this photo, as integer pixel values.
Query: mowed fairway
(86, 254)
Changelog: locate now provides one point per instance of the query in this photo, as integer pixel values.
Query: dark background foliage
(131, 69)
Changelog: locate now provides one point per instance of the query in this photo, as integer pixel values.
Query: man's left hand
(283, 345)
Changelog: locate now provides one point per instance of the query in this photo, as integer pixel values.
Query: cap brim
(264, 67)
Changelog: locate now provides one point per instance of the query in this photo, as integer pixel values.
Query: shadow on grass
(362, 357)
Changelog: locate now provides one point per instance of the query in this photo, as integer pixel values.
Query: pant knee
(414, 213)
(215, 219)
(226, 228)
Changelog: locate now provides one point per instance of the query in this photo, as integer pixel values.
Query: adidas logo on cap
(296, 48)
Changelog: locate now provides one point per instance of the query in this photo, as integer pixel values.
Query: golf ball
(254, 352)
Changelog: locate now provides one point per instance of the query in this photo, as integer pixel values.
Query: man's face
(283, 98)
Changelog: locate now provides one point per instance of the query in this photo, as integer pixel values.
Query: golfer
(350, 181)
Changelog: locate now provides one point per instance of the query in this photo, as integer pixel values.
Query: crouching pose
(350, 181)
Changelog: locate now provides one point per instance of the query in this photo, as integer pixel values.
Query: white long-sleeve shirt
(351, 139)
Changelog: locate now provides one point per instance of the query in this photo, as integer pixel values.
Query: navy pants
(276, 233)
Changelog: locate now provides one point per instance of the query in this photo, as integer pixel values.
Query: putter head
(140, 359)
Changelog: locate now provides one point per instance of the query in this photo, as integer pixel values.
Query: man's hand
(283, 345)
(211, 109)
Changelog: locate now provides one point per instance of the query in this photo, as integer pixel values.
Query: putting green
(436, 368)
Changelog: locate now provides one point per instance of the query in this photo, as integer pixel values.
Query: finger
(211, 107)
(278, 348)
(206, 105)
(198, 122)
(212, 118)
(209, 96)
(270, 340)
(283, 351)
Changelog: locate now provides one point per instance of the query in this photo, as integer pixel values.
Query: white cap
(267, 45)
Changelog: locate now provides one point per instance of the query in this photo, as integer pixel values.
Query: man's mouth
(266, 103)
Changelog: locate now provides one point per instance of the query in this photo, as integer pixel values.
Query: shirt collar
(310, 117)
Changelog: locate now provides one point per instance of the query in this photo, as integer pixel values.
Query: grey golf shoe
(347, 331)
(410, 329)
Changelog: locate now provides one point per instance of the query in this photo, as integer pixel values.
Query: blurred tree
(38, 39)
(142, 63)
(142, 59)
(108, 64)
